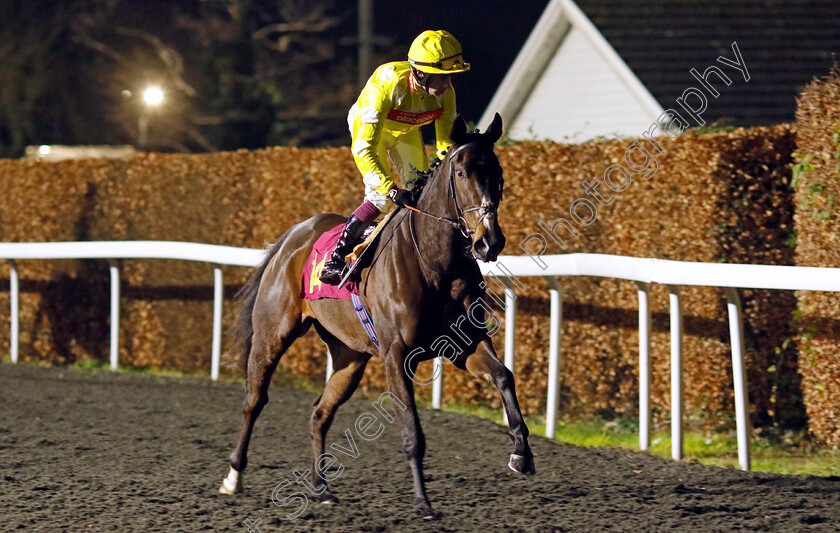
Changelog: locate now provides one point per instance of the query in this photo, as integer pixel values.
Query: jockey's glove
(400, 196)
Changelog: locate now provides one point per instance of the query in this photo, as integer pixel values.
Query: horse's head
(476, 185)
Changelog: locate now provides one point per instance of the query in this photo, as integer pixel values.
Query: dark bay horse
(422, 285)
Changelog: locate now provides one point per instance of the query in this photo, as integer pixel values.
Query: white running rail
(642, 271)
(185, 251)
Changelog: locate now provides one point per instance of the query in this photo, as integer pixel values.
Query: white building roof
(568, 84)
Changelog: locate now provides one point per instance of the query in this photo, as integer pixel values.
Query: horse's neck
(435, 199)
(437, 242)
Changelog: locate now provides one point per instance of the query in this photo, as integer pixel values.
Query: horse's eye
(459, 173)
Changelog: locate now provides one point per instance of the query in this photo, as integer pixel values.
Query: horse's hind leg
(262, 361)
(348, 368)
(484, 364)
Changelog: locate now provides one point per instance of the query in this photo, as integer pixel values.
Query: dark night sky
(66, 109)
(491, 33)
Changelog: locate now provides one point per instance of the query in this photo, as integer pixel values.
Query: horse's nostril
(481, 248)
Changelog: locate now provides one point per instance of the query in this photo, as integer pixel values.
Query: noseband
(459, 222)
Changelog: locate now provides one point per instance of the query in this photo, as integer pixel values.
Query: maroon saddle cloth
(313, 288)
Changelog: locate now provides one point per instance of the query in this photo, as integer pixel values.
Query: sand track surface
(101, 451)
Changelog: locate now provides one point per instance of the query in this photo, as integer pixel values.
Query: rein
(417, 247)
(459, 222)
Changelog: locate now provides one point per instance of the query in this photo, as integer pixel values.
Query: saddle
(311, 287)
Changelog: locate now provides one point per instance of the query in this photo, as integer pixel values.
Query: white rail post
(115, 317)
(676, 373)
(739, 377)
(14, 316)
(216, 350)
(510, 330)
(437, 384)
(556, 317)
(329, 365)
(644, 366)
(510, 326)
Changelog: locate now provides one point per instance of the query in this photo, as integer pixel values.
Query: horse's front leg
(485, 364)
(414, 442)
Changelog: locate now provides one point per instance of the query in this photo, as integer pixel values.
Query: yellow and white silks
(385, 121)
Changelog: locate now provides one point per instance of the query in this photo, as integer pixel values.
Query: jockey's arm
(372, 108)
(443, 125)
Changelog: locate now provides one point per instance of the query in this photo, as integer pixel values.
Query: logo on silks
(407, 117)
(312, 288)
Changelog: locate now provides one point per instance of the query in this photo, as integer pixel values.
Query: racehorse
(422, 284)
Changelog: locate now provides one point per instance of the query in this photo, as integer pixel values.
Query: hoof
(232, 484)
(325, 498)
(426, 512)
(522, 464)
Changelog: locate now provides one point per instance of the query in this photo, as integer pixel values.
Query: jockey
(385, 122)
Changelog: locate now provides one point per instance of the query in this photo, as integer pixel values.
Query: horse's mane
(417, 184)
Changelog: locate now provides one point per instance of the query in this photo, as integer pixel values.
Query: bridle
(486, 208)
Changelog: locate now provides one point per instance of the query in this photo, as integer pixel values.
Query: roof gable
(559, 18)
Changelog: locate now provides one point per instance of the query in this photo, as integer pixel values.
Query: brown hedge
(818, 244)
(713, 198)
(718, 197)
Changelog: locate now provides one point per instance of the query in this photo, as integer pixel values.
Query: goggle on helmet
(437, 52)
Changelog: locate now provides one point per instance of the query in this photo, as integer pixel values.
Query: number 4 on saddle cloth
(313, 288)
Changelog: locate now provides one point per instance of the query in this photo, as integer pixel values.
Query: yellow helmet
(437, 52)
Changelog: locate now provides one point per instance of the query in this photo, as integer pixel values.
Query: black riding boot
(350, 237)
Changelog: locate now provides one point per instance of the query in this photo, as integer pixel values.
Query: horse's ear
(459, 130)
(495, 129)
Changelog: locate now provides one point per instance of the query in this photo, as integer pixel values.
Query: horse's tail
(242, 329)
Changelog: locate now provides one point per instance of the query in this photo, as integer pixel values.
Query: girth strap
(364, 318)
